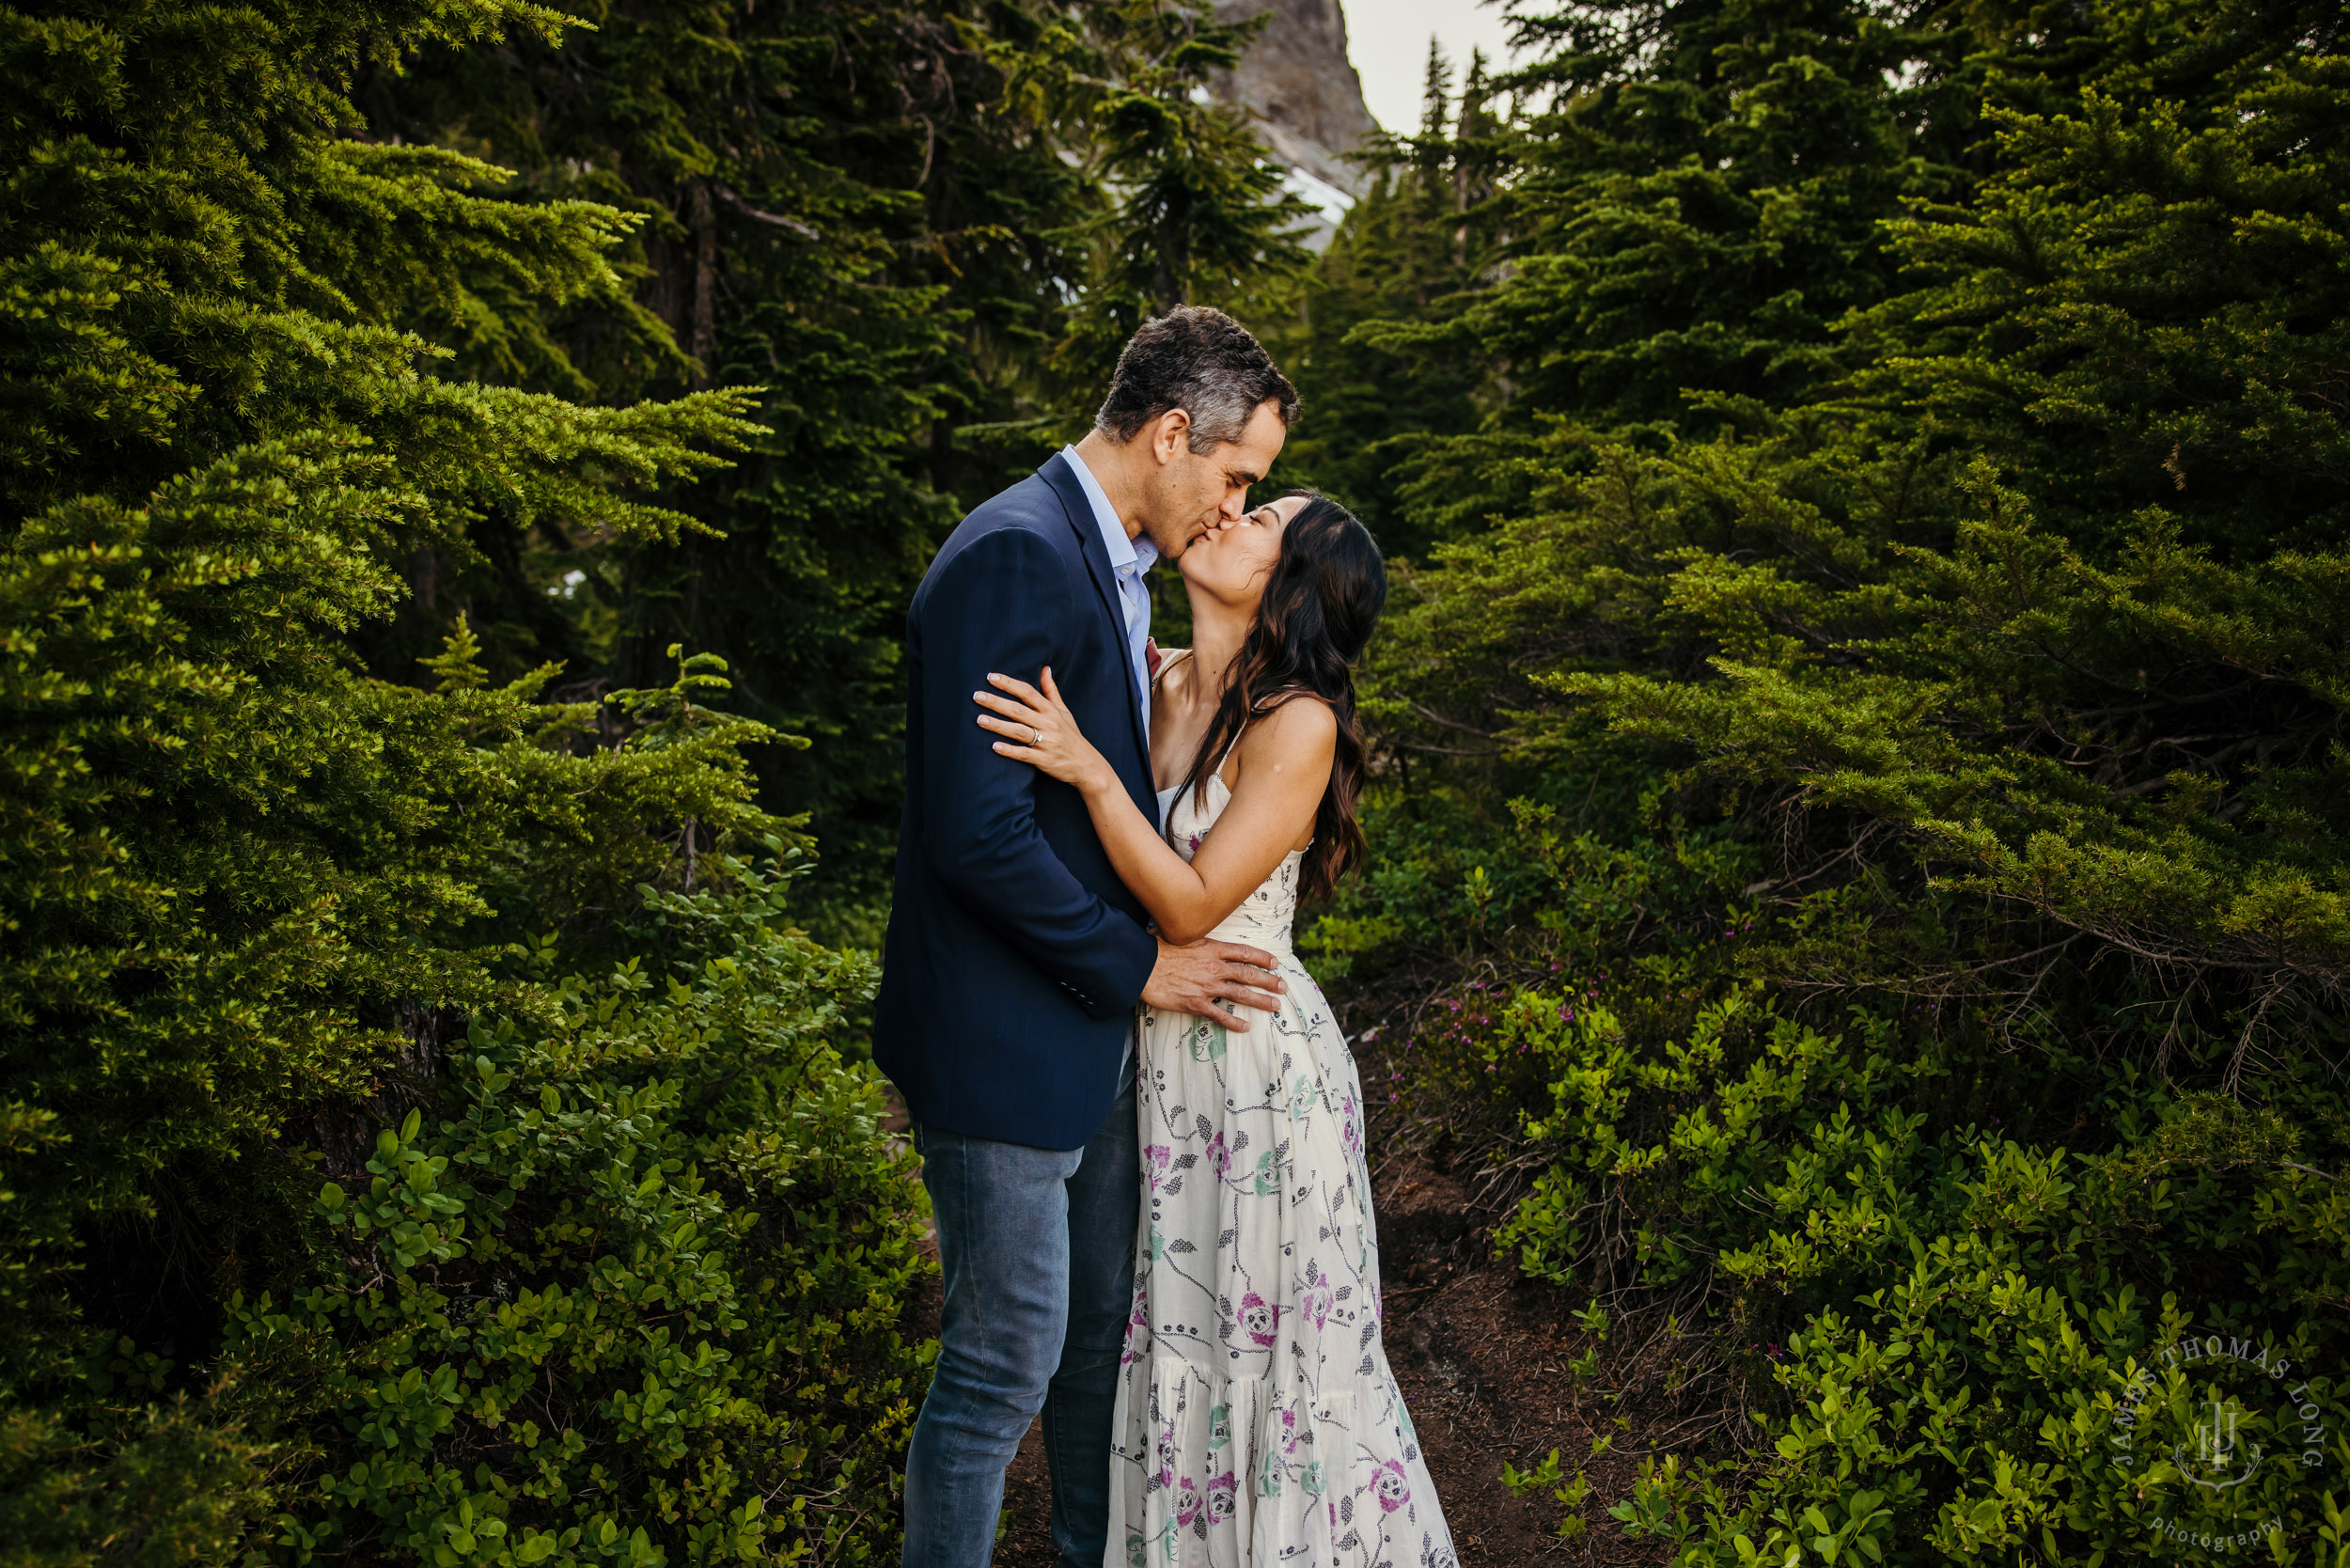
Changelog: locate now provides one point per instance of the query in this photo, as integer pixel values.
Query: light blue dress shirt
(1129, 559)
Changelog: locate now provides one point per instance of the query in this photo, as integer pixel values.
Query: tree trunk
(704, 338)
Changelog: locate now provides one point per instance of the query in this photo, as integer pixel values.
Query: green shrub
(627, 1286)
(1879, 1226)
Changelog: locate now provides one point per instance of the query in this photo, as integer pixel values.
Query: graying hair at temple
(1203, 362)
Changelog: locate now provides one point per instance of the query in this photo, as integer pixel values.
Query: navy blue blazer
(1015, 956)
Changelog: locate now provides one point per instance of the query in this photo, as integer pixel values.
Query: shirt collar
(1139, 553)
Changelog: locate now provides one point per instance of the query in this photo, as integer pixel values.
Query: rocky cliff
(1300, 84)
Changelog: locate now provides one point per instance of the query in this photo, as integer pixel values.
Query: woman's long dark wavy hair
(1322, 598)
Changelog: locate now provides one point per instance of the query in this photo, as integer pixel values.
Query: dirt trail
(1482, 1357)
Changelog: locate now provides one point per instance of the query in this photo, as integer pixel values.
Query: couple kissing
(1140, 1127)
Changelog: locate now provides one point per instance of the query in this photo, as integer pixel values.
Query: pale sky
(1388, 40)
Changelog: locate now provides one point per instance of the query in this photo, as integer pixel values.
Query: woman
(1258, 1422)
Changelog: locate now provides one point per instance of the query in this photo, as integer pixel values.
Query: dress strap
(1170, 657)
(1218, 769)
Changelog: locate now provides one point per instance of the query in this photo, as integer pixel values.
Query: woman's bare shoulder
(1297, 726)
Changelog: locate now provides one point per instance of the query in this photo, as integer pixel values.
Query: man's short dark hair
(1206, 364)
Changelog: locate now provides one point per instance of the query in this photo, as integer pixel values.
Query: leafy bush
(627, 1285)
(1880, 1222)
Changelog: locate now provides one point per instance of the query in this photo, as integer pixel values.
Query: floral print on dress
(1258, 1424)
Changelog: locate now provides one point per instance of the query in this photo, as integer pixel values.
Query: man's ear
(1170, 433)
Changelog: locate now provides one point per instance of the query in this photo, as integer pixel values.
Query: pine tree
(879, 211)
(1189, 208)
(1698, 200)
(1413, 249)
(1982, 588)
(814, 182)
(1927, 808)
(254, 894)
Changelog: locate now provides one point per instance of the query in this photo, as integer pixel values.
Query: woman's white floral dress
(1258, 1422)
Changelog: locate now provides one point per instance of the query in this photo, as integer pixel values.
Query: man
(1015, 957)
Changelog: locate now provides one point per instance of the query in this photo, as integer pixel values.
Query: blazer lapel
(1080, 513)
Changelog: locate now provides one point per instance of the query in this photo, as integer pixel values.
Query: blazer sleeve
(1004, 604)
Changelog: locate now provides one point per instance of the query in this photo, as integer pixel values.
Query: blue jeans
(1037, 1250)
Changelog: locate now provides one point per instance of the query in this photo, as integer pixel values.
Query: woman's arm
(1285, 766)
(1006, 597)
